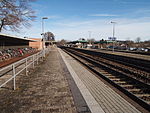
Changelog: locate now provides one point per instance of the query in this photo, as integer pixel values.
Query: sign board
(112, 38)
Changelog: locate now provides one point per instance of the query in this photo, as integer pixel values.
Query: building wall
(38, 44)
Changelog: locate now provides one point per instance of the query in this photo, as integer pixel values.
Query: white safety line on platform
(91, 102)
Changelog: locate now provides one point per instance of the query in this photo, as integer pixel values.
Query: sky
(74, 19)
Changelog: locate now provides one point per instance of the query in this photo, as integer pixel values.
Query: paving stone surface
(108, 99)
(44, 90)
(93, 106)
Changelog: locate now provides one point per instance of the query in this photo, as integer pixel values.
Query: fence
(19, 66)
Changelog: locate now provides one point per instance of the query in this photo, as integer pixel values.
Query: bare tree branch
(14, 14)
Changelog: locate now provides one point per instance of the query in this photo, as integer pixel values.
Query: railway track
(140, 64)
(127, 77)
(133, 52)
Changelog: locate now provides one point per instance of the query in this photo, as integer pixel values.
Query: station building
(9, 41)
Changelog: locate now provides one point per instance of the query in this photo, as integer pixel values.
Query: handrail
(28, 61)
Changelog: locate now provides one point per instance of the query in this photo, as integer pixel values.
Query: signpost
(112, 39)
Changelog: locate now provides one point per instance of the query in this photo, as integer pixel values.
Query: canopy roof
(7, 40)
(79, 41)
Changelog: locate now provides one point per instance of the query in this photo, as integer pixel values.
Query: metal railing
(19, 66)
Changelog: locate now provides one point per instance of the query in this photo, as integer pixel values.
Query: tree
(49, 36)
(102, 40)
(138, 39)
(92, 40)
(129, 43)
(14, 14)
(62, 42)
(81, 38)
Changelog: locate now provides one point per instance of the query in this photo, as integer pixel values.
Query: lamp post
(113, 38)
(43, 33)
(90, 34)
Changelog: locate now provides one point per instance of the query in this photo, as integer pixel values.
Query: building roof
(79, 41)
(35, 39)
(8, 40)
(15, 37)
(100, 42)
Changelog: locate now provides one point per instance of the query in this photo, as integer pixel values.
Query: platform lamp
(113, 38)
(43, 33)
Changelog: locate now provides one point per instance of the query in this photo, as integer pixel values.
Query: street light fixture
(45, 18)
(113, 38)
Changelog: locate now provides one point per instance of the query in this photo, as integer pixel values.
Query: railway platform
(105, 98)
(62, 85)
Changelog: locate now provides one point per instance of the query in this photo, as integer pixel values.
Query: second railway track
(132, 81)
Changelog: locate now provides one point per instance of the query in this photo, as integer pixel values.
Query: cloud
(53, 17)
(126, 28)
(73, 23)
(103, 15)
(102, 28)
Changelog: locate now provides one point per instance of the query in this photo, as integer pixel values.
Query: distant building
(78, 43)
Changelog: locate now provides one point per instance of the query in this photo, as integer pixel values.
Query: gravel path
(44, 90)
